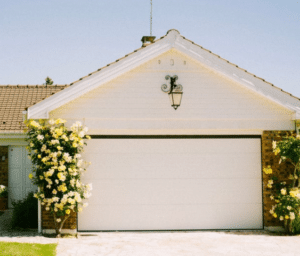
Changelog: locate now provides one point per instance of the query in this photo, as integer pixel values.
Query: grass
(26, 249)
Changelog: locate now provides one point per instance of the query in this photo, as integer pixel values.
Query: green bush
(296, 225)
(25, 213)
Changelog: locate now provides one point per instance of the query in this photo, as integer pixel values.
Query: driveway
(210, 243)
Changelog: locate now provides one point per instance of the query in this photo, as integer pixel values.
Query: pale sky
(67, 39)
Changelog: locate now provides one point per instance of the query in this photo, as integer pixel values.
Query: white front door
(19, 167)
(173, 184)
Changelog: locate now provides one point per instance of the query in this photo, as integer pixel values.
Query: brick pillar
(4, 166)
(281, 171)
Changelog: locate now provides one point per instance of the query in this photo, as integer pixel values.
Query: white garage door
(173, 184)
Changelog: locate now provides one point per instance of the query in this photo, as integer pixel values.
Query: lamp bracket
(173, 86)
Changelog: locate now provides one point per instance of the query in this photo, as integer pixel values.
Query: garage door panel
(162, 217)
(188, 191)
(152, 184)
(181, 166)
(189, 146)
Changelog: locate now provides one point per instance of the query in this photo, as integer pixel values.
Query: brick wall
(4, 166)
(281, 171)
(48, 221)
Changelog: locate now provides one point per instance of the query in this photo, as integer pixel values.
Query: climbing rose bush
(58, 167)
(287, 194)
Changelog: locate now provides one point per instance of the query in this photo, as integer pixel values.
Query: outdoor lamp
(174, 91)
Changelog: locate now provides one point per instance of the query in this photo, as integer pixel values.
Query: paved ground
(167, 243)
(202, 243)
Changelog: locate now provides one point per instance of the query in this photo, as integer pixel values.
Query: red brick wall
(4, 166)
(281, 171)
(48, 220)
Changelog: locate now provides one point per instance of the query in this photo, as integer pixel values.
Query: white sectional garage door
(173, 183)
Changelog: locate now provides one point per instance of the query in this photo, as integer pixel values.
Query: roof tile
(14, 99)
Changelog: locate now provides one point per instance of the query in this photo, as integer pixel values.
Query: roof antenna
(151, 19)
(148, 39)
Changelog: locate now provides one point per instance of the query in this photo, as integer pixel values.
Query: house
(191, 165)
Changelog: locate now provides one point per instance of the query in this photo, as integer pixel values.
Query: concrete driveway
(210, 243)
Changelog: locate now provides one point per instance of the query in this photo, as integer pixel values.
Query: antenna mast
(151, 19)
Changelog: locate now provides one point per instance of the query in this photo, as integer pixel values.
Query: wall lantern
(174, 91)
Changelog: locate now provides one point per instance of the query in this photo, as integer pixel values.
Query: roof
(141, 48)
(172, 40)
(16, 98)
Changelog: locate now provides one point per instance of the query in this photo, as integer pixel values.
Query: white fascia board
(221, 66)
(42, 109)
(12, 135)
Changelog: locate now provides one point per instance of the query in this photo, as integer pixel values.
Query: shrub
(25, 212)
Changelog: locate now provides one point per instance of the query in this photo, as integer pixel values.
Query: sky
(68, 39)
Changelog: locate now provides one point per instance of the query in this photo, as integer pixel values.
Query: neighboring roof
(171, 40)
(16, 98)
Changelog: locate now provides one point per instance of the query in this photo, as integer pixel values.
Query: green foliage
(25, 249)
(296, 225)
(25, 213)
(287, 194)
(3, 191)
(48, 80)
(288, 148)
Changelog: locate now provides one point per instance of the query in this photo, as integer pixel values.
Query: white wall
(134, 103)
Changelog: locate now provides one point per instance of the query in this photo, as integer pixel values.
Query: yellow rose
(39, 156)
(68, 211)
(59, 132)
(294, 192)
(268, 170)
(60, 121)
(287, 217)
(34, 124)
(275, 215)
(30, 176)
(276, 151)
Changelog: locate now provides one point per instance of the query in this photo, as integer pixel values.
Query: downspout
(39, 202)
(39, 215)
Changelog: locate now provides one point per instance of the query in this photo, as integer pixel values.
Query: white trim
(171, 40)
(13, 142)
(12, 135)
